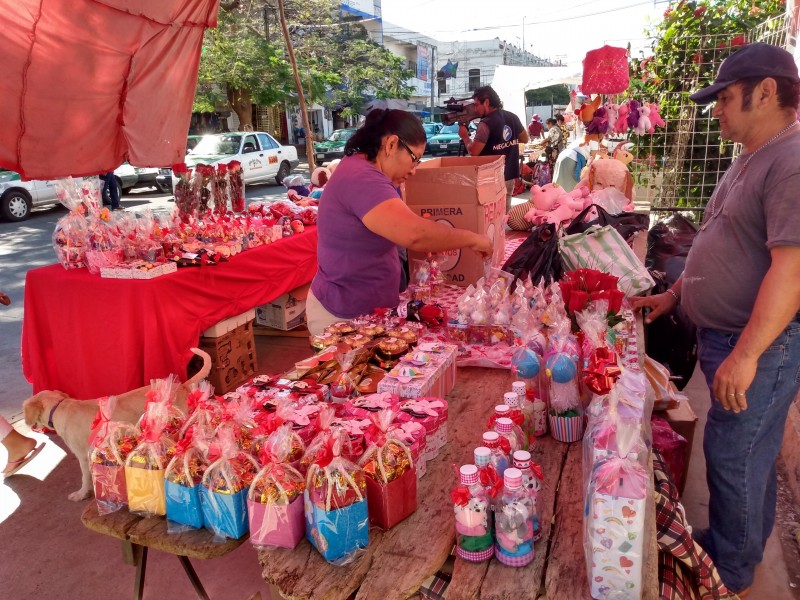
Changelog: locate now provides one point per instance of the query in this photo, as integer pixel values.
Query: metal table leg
(190, 573)
(141, 565)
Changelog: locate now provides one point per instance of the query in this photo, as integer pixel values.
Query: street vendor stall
(89, 336)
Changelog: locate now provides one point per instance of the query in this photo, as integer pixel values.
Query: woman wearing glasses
(363, 219)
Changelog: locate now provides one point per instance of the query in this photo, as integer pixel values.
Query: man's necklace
(714, 211)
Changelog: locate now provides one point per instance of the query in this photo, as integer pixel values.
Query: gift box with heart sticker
(614, 528)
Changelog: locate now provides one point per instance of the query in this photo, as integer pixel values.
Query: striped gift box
(567, 429)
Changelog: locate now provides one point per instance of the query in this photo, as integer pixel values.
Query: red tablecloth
(91, 337)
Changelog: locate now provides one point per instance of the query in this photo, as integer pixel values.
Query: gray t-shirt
(728, 261)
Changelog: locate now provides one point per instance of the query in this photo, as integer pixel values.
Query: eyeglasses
(414, 157)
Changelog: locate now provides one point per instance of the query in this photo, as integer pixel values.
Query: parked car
(130, 177)
(431, 129)
(447, 140)
(333, 147)
(262, 157)
(18, 198)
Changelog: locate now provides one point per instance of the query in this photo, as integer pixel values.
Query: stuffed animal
(644, 124)
(613, 114)
(319, 178)
(472, 519)
(513, 527)
(597, 128)
(551, 204)
(622, 154)
(655, 118)
(588, 111)
(622, 119)
(612, 173)
(633, 115)
(333, 164)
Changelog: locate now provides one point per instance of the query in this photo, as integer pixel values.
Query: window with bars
(474, 79)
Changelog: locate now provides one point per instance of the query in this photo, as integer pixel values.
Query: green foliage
(555, 94)
(339, 65)
(689, 44)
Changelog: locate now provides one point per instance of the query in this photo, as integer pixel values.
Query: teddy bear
(643, 126)
(513, 527)
(622, 119)
(319, 178)
(612, 110)
(655, 118)
(597, 128)
(633, 114)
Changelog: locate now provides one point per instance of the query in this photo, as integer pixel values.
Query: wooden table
(396, 562)
(137, 534)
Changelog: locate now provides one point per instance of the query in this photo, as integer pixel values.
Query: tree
(553, 94)
(339, 65)
(689, 44)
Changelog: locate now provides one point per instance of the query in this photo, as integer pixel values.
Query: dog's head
(37, 408)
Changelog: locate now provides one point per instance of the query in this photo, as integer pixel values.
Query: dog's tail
(204, 371)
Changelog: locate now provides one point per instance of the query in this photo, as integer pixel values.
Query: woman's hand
(659, 304)
(483, 246)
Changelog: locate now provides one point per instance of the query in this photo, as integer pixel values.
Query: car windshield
(449, 129)
(430, 128)
(341, 135)
(218, 144)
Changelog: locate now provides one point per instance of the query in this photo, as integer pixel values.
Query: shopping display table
(138, 534)
(91, 337)
(396, 562)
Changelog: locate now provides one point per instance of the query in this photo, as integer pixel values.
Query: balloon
(526, 363)
(561, 367)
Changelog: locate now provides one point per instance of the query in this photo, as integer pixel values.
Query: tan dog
(72, 419)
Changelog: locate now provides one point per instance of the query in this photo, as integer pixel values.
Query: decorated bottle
(513, 525)
(532, 482)
(513, 401)
(490, 480)
(506, 428)
(500, 449)
(525, 402)
(473, 517)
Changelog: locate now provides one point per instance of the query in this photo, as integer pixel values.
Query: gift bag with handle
(604, 249)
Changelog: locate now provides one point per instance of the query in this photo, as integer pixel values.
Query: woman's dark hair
(560, 118)
(788, 91)
(551, 121)
(487, 93)
(380, 123)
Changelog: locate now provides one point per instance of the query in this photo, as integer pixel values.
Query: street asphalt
(28, 244)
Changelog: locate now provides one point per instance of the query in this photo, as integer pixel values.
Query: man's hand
(732, 380)
(4, 299)
(659, 304)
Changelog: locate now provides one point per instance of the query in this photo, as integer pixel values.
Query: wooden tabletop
(152, 532)
(396, 562)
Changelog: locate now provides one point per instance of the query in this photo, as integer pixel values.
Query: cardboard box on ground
(465, 193)
(285, 312)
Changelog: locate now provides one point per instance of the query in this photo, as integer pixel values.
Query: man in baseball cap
(741, 287)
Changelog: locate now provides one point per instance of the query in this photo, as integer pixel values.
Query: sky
(561, 29)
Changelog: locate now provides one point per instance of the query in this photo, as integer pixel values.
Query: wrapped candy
(473, 517)
(514, 522)
(225, 485)
(146, 464)
(337, 521)
(204, 409)
(391, 478)
(275, 499)
(414, 436)
(345, 384)
(184, 474)
(111, 444)
(219, 189)
(163, 391)
(183, 192)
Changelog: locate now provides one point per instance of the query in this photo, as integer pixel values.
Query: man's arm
(474, 147)
(523, 136)
(777, 303)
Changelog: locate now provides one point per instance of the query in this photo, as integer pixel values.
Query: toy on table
(532, 481)
(473, 517)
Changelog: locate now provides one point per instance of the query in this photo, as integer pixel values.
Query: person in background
(562, 125)
(20, 448)
(741, 287)
(363, 219)
(111, 190)
(535, 127)
(499, 134)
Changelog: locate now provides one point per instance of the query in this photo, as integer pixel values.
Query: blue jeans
(111, 189)
(741, 451)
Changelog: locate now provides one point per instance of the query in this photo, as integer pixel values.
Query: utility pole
(433, 76)
(300, 96)
(524, 58)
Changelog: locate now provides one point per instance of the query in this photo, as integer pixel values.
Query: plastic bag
(537, 258)
(626, 223)
(111, 443)
(184, 473)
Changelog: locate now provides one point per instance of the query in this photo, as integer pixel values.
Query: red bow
(517, 417)
(602, 371)
(460, 495)
(214, 452)
(491, 480)
(100, 422)
(193, 399)
(505, 445)
(536, 470)
(184, 444)
(377, 435)
(325, 453)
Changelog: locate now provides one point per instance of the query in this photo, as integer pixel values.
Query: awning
(89, 84)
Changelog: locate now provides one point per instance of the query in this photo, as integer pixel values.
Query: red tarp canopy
(89, 84)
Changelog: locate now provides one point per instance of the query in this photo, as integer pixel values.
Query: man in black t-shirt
(499, 133)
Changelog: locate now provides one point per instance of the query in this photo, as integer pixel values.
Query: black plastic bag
(626, 223)
(537, 257)
(671, 339)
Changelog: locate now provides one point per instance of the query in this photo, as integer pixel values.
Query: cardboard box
(285, 312)
(230, 324)
(465, 193)
(233, 357)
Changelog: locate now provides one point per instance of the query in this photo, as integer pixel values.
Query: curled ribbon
(602, 371)
(460, 495)
(491, 480)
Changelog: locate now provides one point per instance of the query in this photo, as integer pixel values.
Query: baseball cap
(754, 60)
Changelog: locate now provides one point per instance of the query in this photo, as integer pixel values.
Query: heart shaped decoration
(606, 543)
(625, 562)
(628, 512)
